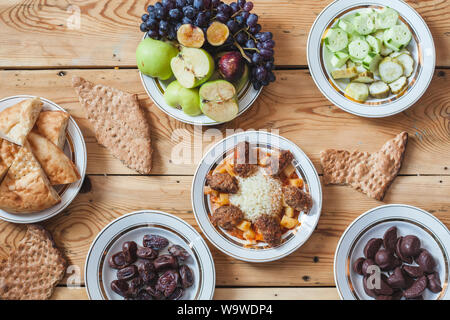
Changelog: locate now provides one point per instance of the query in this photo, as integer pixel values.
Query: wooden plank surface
(293, 105)
(64, 293)
(311, 265)
(36, 34)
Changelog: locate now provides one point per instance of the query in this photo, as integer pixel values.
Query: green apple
(218, 100)
(154, 56)
(178, 96)
(242, 81)
(192, 67)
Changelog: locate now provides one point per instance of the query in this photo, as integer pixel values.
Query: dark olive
(371, 248)
(127, 273)
(426, 262)
(390, 238)
(357, 265)
(179, 252)
(417, 288)
(155, 242)
(186, 275)
(117, 261)
(129, 249)
(146, 253)
(165, 261)
(120, 287)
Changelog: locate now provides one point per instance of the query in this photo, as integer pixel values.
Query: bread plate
(421, 49)
(132, 227)
(74, 148)
(234, 246)
(434, 236)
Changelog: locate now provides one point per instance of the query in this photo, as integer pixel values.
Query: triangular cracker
(17, 121)
(52, 125)
(371, 174)
(57, 166)
(33, 269)
(119, 123)
(25, 188)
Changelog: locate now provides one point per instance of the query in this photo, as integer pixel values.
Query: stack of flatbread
(32, 160)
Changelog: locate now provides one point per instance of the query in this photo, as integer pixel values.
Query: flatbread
(25, 188)
(52, 125)
(33, 269)
(57, 166)
(119, 123)
(371, 174)
(8, 152)
(17, 121)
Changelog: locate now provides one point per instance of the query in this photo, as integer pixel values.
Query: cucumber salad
(367, 50)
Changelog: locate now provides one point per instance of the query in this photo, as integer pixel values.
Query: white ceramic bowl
(421, 48)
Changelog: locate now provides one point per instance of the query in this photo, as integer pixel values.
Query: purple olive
(372, 247)
(117, 261)
(426, 261)
(357, 265)
(129, 249)
(390, 238)
(165, 261)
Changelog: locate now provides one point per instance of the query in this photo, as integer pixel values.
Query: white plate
(155, 89)
(434, 236)
(421, 48)
(74, 148)
(133, 226)
(233, 246)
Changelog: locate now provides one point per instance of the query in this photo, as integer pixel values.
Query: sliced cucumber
(357, 91)
(365, 77)
(358, 49)
(407, 63)
(339, 59)
(354, 36)
(386, 18)
(397, 36)
(374, 43)
(363, 23)
(385, 51)
(345, 73)
(396, 54)
(371, 61)
(345, 25)
(398, 85)
(379, 90)
(379, 35)
(390, 70)
(336, 39)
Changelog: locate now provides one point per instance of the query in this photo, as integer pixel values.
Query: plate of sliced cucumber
(370, 59)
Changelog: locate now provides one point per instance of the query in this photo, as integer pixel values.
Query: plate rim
(149, 211)
(354, 107)
(319, 202)
(23, 217)
(371, 211)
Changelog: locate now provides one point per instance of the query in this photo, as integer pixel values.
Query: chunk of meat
(222, 182)
(278, 162)
(245, 162)
(270, 228)
(297, 198)
(227, 217)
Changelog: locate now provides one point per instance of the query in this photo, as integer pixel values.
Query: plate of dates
(149, 255)
(394, 252)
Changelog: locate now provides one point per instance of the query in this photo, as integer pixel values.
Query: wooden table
(40, 51)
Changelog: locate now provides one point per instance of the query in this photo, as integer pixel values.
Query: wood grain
(64, 293)
(36, 33)
(293, 105)
(311, 265)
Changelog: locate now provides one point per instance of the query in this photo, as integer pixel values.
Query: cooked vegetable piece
(407, 62)
(244, 225)
(289, 211)
(336, 39)
(358, 49)
(288, 222)
(390, 70)
(363, 23)
(385, 51)
(345, 25)
(343, 74)
(399, 34)
(396, 54)
(374, 43)
(365, 77)
(398, 85)
(379, 90)
(386, 18)
(339, 59)
(371, 61)
(357, 91)
(296, 182)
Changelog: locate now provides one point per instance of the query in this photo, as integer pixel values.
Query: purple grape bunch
(162, 20)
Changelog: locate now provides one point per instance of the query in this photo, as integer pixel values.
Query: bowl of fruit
(204, 62)
(369, 59)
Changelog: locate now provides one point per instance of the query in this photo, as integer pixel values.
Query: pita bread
(32, 269)
(52, 125)
(17, 121)
(25, 188)
(8, 152)
(371, 174)
(57, 166)
(119, 123)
